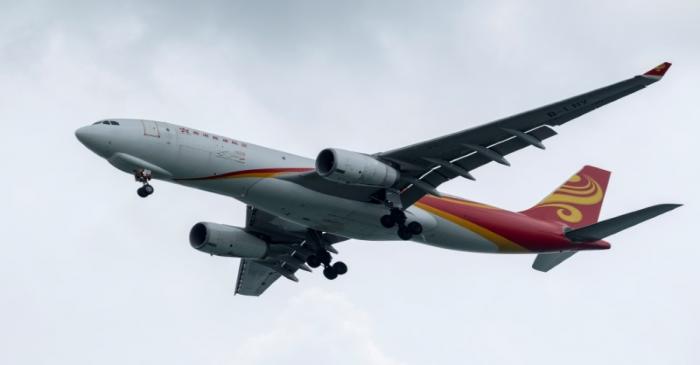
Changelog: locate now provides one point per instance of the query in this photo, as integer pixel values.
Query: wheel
(325, 257)
(330, 273)
(398, 215)
(340, 268)
(387, 221)
(148, 189)
(404, 234)
(415, 228)
(142, 192)
(313, 261)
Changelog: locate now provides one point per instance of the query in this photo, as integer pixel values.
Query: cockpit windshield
(107, 122)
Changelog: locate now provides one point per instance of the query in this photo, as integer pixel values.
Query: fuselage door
(150, 128)
(167, 133)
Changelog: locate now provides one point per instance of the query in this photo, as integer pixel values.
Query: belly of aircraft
(353, 219)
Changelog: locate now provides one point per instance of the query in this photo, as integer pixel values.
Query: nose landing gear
(397, 217)
(144, 176)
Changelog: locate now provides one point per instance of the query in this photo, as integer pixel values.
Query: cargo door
(150, 128)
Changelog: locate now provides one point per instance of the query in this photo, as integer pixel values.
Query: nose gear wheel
(144, 176)
(145, 190)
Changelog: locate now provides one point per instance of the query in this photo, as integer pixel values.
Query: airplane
(298, 208)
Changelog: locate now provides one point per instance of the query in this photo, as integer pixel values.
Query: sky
(91, 273)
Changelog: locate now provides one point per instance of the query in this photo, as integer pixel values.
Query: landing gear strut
(323, 257)
(397, 217)
(144, 176)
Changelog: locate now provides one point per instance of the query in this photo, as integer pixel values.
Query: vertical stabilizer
(577, 202)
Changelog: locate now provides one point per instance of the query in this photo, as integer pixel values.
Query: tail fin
(577, 202)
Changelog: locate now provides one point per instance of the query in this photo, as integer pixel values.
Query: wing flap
(254, 278)
(440, 175)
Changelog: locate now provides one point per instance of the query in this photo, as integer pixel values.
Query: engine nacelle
(354, 168)
(223, 240)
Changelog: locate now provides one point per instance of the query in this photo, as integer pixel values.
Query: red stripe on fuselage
(253, 173)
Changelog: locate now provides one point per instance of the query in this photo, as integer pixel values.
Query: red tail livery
(577, 202)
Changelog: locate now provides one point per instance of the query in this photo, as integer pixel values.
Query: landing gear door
(150, 128)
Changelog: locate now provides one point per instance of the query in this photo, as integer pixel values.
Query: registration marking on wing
(568, 108)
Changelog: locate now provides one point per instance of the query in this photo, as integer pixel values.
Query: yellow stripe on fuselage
(503, 243)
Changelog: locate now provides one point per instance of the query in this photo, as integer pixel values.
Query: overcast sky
(92, 274)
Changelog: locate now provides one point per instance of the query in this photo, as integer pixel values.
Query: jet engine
(354, 168)
(223, 240)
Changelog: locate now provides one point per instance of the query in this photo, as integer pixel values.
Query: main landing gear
(322, 257)
(144, 176)
(397, 217)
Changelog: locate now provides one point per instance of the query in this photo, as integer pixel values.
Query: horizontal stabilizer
(546, 261)
(608, 227)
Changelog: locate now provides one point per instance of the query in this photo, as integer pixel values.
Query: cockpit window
(107, 122)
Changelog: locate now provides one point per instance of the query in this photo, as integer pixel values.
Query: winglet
(658, 71)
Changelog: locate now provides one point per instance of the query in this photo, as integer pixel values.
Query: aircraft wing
(441, 159)
(426, 165)
(289, 245)
(254, 278)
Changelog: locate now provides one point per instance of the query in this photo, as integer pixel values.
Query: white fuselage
(241, 170)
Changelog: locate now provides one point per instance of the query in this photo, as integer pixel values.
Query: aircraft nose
(93, 139)
(83, 135)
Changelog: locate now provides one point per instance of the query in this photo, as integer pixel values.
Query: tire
(404, 234)
(387, 221)
(340, 268)
(148, 189)
(415, 228)
(397, 215)
(325, 257)
(141, 192)
(313, 261)
(330, 273)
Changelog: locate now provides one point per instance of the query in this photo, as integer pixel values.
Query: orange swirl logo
(579, 190)
(660, 68)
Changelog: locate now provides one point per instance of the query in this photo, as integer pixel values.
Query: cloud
(318, 325)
